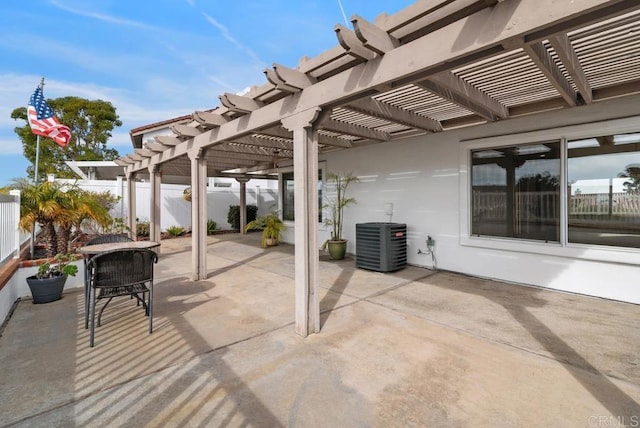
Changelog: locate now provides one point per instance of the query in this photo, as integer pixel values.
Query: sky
(154, 60)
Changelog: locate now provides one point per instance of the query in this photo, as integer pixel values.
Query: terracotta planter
(271, 242)
(46, 290)
(337, 249)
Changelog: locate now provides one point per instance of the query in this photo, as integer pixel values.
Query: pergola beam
(562, 45)
(354, 130)
(208, 118)
(168, 140)
(373, 37)
(450, 87)
(156, 147)
(185, 130)
(144, 152)
(394, 114)
(351, 44)
(543, 60)
(239, 103)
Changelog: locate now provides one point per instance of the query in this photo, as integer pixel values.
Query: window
(604, 190)
(515, 192)
(288, 192)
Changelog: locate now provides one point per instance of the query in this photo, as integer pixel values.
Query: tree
(91, 123)
(632, 172)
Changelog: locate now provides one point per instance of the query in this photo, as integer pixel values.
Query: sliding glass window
(604, 190)
(288, 192)
(516, 192)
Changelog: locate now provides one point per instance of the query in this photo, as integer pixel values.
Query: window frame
(288, 170)
(624, 255)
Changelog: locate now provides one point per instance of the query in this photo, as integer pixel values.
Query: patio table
(103, 248)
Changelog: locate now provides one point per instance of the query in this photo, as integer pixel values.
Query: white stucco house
(505, 130)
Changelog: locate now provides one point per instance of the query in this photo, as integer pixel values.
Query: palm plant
(43, 204)
(271, 226)
(58, 209)
(337, 205)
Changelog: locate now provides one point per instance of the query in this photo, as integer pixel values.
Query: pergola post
(154, 221)
(198, 214)
(131, 204)
(305, 177)
(243, 204)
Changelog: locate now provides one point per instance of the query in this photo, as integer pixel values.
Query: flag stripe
(43, 122)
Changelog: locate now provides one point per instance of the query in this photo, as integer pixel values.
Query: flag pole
(38, 142)
(33, 226)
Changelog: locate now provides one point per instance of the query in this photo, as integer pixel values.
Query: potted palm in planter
(271, 226)
(47, 285)
(337, 245)
(58, 209)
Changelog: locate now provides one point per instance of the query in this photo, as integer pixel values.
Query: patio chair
(102, 239)
(126, 272)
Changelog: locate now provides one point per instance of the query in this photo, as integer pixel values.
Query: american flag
(43, 122)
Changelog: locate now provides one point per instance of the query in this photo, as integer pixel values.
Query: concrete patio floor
(410, 348)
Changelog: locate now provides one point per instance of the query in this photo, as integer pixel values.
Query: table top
(103, 248)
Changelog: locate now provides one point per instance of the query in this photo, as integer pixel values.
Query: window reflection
(604, 190)
(516, 191)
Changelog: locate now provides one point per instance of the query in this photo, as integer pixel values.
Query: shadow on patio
(409, 348)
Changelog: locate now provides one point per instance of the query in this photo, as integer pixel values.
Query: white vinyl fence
(11, 237)
(175, 210)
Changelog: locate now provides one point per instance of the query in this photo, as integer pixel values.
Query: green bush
(175, 230)
(142, 228)
(211, 226)
(233, 216)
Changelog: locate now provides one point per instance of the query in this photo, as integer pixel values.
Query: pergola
(434, 66)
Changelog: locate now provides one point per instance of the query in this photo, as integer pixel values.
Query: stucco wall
(421, 177)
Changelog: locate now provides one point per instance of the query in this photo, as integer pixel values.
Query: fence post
(16, 216)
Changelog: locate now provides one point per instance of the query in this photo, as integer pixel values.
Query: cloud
(103, 17)
(227, 35)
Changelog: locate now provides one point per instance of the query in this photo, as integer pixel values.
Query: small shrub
(211, 227)
(142, 228)
(175, 230)
(233, 216)
(117, 226)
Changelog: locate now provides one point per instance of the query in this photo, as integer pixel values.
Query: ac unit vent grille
(381, 247)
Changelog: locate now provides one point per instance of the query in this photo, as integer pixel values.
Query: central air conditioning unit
(381, 247)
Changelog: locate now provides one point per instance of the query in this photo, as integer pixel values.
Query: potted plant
(337, 245)
(271, 226)
(47, 285)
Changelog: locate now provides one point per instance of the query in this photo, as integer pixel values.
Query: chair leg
(150, 307)
(86, 295)
(93, 316)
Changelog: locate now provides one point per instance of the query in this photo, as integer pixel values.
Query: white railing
(10, 235)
